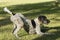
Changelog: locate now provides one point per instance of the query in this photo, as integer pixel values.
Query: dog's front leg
(31, 30)
(38, 30)
(14, 28)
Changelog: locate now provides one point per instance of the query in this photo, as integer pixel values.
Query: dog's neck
(37, 21)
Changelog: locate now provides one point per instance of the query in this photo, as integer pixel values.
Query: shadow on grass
(27, 7)
(44, 7)
(35, 9)
(2, 30)
(5, 22)
(50, 36)
(32, 10)
(44, 29)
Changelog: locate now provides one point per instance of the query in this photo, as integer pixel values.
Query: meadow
(30, 11)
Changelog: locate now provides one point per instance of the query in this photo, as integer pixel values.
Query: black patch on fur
(13, 13)
(26, 26)
(33, 23)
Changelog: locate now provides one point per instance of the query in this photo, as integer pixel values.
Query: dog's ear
(41, 18)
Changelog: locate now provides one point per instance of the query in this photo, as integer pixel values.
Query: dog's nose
(48, 21)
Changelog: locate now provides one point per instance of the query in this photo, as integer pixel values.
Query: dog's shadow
(45, 29)
(53, 36)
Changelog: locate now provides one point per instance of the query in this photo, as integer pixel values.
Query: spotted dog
(30, 26)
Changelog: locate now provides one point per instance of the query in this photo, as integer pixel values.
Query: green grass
(31, 11)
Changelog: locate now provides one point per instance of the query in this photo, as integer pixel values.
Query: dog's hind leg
(16, 29)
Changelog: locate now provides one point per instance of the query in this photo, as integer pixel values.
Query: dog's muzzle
(46, 21)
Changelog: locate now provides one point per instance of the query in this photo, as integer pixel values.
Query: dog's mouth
(46, 21)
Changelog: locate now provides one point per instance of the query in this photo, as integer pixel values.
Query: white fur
(6, 10)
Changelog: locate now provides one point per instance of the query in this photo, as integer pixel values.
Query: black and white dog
(30, 26)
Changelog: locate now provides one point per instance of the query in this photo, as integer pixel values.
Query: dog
(30, 26)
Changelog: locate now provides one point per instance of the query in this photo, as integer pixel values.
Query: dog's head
(43, 19)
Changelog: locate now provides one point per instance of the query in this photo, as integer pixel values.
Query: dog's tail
(8, 11)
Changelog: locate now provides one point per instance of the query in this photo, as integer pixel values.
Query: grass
(31, 11)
